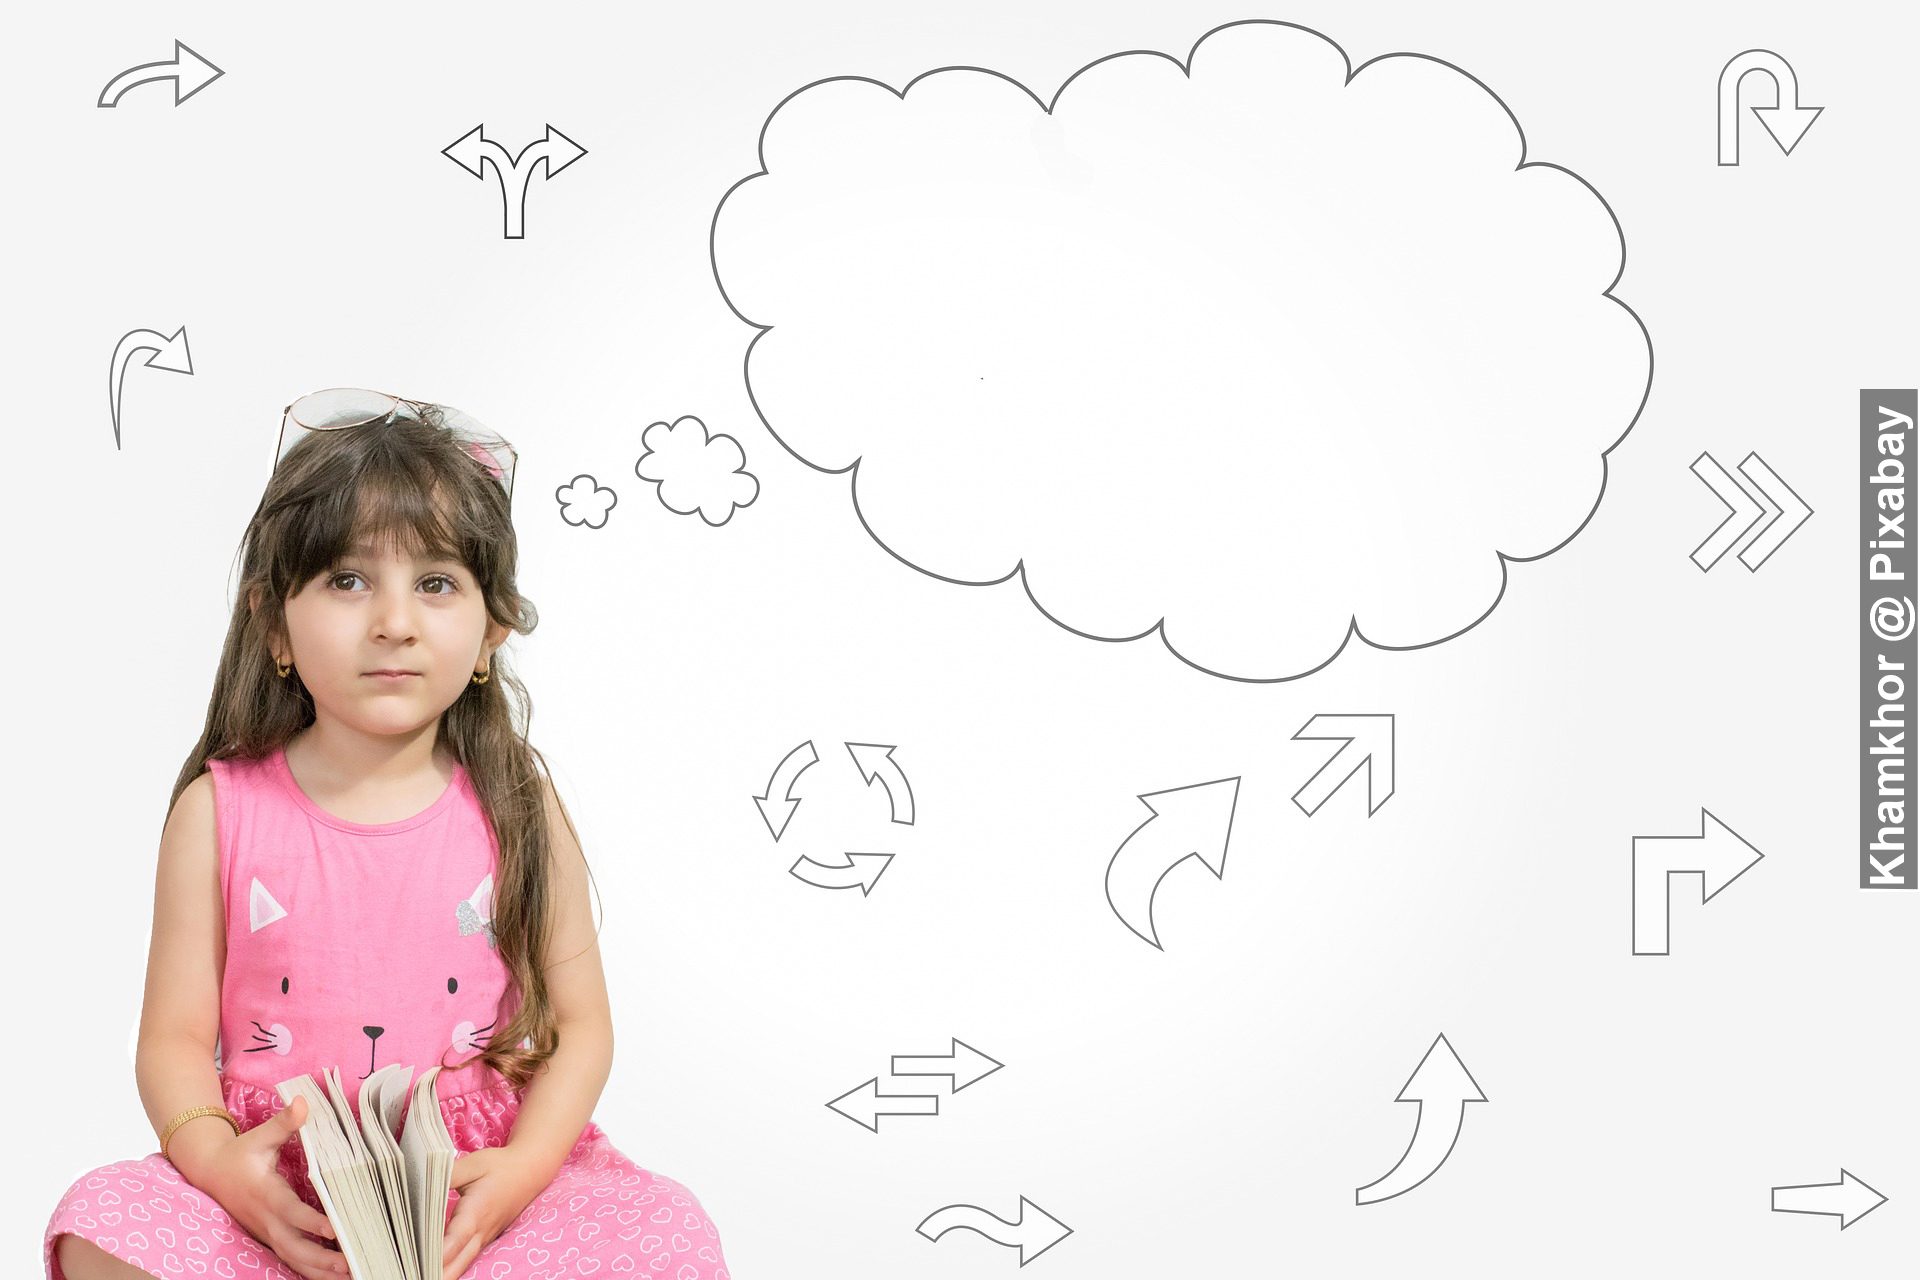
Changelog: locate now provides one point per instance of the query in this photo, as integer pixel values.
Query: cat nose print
(373, 1033)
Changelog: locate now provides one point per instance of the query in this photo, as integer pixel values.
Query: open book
(383, 1184)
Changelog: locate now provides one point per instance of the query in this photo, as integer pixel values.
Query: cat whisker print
(277, 1038)
(467, 1037)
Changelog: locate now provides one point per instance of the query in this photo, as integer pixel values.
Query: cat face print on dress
(360, 988)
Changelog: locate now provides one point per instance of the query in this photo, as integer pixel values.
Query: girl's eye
(437, 577)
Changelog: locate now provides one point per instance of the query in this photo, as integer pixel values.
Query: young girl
(362, 866)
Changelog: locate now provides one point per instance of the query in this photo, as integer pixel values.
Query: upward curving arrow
(875, 762)
(1194, 821)
(1443, 1080)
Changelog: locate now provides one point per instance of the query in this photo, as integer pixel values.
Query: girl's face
(376, 609)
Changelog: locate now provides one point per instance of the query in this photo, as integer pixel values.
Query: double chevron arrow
(1769, 510)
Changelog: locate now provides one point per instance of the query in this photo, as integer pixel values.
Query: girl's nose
(395, 618)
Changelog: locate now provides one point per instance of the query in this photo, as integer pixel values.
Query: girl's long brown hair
(414, 486)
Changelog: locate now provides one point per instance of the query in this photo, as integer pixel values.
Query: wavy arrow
(1036, 1228)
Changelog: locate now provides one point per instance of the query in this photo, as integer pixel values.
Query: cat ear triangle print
(262, 909)
(476, 912)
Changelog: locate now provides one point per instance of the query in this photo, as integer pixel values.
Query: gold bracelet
(193, 1113)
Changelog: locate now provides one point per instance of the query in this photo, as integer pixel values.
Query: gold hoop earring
(481, 677)
(282, 669)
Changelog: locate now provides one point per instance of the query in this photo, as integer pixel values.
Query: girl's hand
(242, 1174)
(494, 1187)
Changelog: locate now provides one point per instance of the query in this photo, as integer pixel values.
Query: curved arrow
(860, 870)
(1193, 821)
(183, 71)
(169, 353)
(875, 760)
(785, 774)
(1444, 1081)
(1786, 121)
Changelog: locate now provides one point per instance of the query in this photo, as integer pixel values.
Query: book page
(319, 1146)
(429, 1152)
(382, 1095)
(375, 1229)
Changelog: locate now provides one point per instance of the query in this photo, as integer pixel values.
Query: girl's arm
(180, 1014)
(560, 1100)
(179, 1027)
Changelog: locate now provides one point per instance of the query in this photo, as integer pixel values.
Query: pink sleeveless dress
(354, 945)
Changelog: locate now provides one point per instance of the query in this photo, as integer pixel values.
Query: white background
(1204, 1110)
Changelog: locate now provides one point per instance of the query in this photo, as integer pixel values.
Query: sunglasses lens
(340, 407)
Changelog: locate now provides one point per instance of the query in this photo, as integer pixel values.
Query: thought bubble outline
(1019, 568)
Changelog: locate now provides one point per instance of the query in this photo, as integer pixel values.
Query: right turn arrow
(1717, 855)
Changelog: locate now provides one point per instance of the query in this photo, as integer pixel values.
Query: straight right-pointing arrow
(1848, 1199)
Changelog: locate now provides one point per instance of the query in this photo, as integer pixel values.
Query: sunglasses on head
(338, 408)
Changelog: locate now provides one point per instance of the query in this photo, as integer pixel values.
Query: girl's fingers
(310, 1258)
(297, 1213)
(463, 1259)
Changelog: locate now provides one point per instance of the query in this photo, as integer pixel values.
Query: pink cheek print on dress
(468, 1038)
